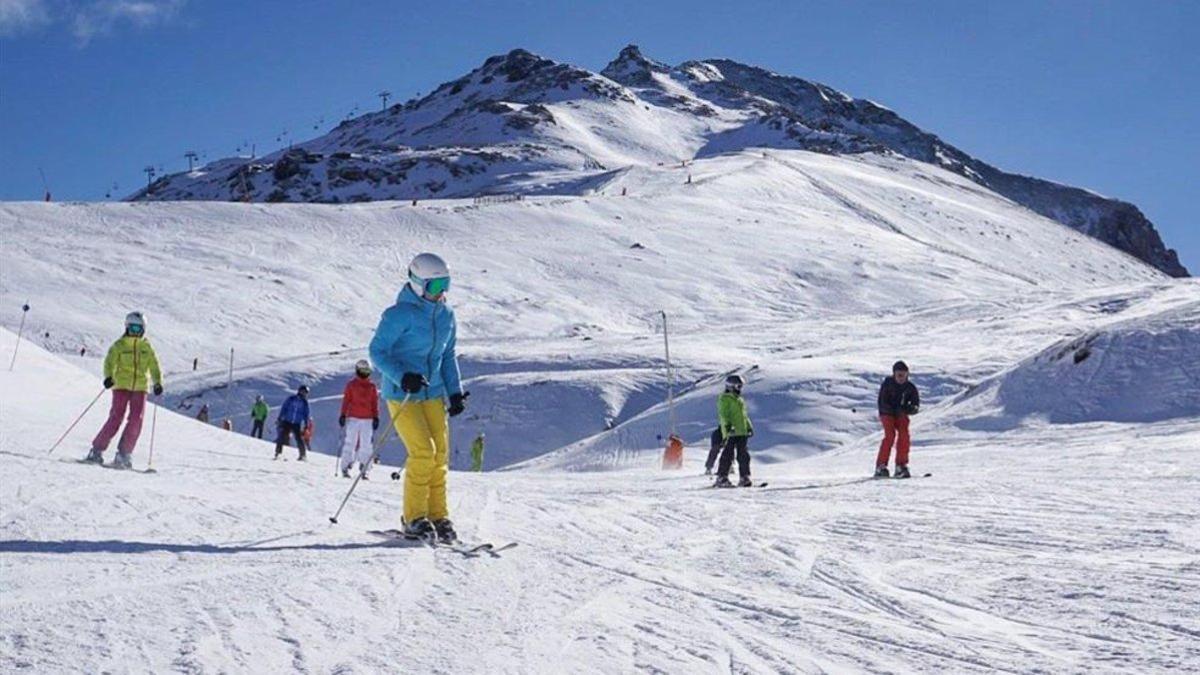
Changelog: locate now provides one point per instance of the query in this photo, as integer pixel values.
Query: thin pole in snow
(153, 427)
(85, 411)
(670, 373)
(229, 388)
(20, 331)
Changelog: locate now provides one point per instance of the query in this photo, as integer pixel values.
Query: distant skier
(736, 431)
(898, 399)
(310, 428)
(414, 348)
(125, 367)
(715, 442)
(477, 453)
(359, 418)
(203, 414)
(259, 413)
(293, 417)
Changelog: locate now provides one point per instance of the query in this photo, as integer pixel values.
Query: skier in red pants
(128, 362)
(898, 399)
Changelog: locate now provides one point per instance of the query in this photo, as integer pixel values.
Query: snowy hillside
(1044, 547)
(820, 269)
(1058, 531)
(524, 124)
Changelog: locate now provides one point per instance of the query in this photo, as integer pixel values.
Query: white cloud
(100, 18)
(20, 15)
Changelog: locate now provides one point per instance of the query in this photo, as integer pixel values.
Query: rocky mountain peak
(520, 114)
(631, 68)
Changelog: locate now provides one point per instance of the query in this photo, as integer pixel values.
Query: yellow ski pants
(424, 428)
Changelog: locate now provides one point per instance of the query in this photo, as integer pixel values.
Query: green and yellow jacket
(128, 361)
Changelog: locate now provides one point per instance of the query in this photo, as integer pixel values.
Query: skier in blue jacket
(414, 348)
(293, 417)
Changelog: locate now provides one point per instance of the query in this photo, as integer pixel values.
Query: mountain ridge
(524, 123)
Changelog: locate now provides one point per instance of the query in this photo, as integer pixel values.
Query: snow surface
(1060, 531)
(552, 291)
(1045, 547)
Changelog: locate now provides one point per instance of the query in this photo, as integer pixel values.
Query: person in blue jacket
(293, 417)
(414, 349)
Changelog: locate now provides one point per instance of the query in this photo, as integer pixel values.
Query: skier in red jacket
(359, 418)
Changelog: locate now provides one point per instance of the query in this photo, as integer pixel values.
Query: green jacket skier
(732, 414)
(736, 430)
(259, 413)
(477, 453)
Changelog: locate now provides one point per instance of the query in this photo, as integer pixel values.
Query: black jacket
(898, 399)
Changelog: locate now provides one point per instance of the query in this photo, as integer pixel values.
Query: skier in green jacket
(129, 361)
(259, 413)
(736, 429)
(477, 453)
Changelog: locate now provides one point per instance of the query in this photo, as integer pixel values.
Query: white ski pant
(357, 445)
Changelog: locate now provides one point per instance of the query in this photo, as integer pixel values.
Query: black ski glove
(158, 390)
(458, 403)
(750, 432)
(341, 420)
(375, 423)
(108, 383)
(413, 383)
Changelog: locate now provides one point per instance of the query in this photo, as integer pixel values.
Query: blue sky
(1104, 95)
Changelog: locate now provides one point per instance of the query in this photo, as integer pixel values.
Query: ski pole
(382, 439)
(153, 427)
(20, 331)
(77, 419)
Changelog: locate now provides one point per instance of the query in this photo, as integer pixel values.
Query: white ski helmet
(362, 366)
(428, 275)
(734, 382)
(135, 319)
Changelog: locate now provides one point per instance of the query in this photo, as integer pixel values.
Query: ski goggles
(437, 286)
(135, 329)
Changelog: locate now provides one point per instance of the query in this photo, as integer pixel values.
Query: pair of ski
(115, 467)
(468, 550)
(732, 486)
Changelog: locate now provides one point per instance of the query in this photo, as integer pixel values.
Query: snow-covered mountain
(521, 123)
(1058, 531)
(555, 295)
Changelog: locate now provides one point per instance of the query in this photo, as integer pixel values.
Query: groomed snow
(1060, 548)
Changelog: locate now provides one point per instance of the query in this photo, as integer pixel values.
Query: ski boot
(445, 531)
(94, 456)
(901, 471)
(745, 481)
(122, 461)
(881, 471)
(345, 473)
(420, 528)
(723, 482)
(277, 455)
(708, 471)
(302, 458)
(365, 476)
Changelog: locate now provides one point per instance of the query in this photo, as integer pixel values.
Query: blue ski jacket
(294, 410)
(416, 335)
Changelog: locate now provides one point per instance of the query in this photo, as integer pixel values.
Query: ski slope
(1058, 533)
(779, 259)
(1044, 547)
